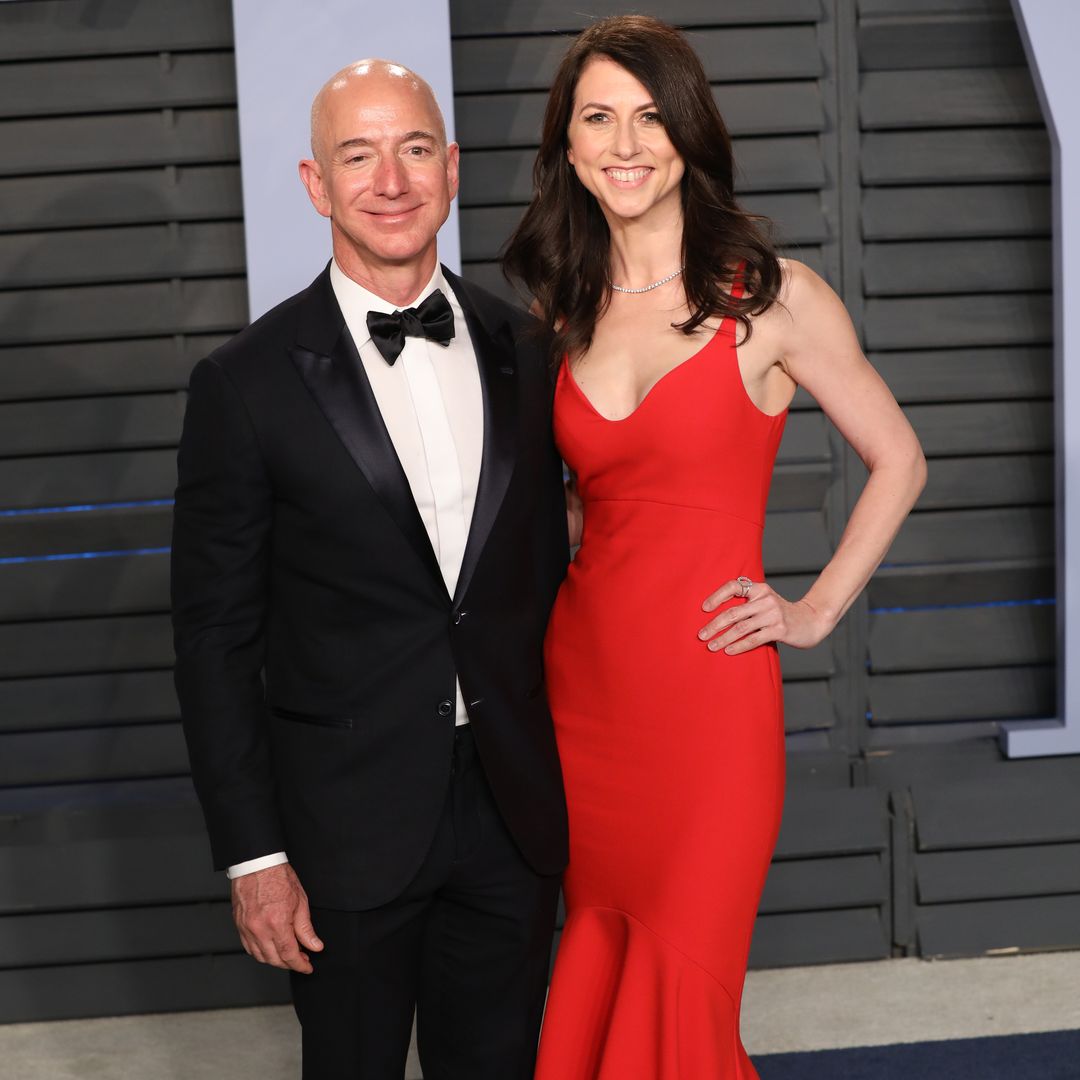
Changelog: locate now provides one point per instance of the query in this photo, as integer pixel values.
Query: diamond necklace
(648, 288)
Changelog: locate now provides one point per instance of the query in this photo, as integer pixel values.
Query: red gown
(673, 756)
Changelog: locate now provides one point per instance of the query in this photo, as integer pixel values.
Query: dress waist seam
(680, 506)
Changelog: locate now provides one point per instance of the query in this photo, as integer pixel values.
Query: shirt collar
(355, 301)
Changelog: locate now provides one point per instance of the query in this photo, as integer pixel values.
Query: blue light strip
(83, 508)
(13, 560)
(1041, 602)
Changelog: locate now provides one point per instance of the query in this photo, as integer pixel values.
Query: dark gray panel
(967, 374)
(843, 822)
(938, 213)
(931, 7)
(491, 121)
(806, 438)
(134, 934)
(498, 177)
(89, 530)
(109, 367)
(952, 321)
(96, 312)
(983, 427)
(136, 421)
(998, 873)
(974, 582)
(139, 986)
(808, 706)
(1001, 926)
(819, 937)
(961, 156)
(1010, 480)
(957, 266)
(942, 696)
(796, 541)
(123, 697)
(816, 663)
(92, 478)
(735, 55)
(526, 16)
(58, 87)
(820, 884)
(167, 193)
(121, 140)
(124, 643)
(970, 637)
(799, 487)
(989, 534)
(113, 585)
(131, 253)
(941, 41)
(54, 28)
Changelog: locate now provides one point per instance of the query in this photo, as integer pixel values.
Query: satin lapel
(495, 357)
(329, 363)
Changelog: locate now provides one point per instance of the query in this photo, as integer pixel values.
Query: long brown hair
(560, 249)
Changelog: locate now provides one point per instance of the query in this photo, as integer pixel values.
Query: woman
(683, 338)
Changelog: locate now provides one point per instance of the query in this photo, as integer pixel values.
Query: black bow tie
(433, 319)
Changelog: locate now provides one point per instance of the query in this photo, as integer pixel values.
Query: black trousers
(466, 947)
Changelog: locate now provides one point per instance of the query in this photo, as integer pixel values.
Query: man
(369, 533)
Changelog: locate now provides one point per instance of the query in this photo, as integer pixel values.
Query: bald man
(369, 532)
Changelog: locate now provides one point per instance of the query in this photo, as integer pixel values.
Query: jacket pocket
(310, 718)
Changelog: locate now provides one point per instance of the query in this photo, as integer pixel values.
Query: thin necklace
(648, 288)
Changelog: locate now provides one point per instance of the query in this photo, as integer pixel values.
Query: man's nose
(391, 178)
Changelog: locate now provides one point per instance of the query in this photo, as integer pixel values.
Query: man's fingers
(290, 956)
(305, 932)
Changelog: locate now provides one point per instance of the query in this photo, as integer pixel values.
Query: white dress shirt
(432, 405)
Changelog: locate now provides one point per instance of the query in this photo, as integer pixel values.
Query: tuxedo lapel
(495, 357)
(328, 361)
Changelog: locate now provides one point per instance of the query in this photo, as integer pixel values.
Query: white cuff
(261, 863)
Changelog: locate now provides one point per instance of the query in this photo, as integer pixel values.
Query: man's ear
(312, 179)
(453, 161)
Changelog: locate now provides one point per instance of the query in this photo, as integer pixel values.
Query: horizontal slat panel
(188, 193)
(806, 438)
(97, 312)
(957, 266)
(526, 16)
(112, 872)
(134, 934)
(86, 701)
(121, 140)
(998, 873)
(961, 210)
(983, 427)
(974, 582)
(967, 374)
(498, 177)
(938, 157)
(815, 663)
(942, 696)
(93, 478)
(795, 541)
(490, 121)
(960, 41)
(961, 638)
(141, 986)
(843, 822)
(729, 55)
(952, 321)
(1013, 480)
(931, 7)
(808, 706)
(114, 585)
(1051, 922)
(131, 253)
(136, 421)
(66, 87)
(820, 884)
(76, 646)
(1000, 533)
(86, 530)
(799, 487)
(109, 367)
(819, 937)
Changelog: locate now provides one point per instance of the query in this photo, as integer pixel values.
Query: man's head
(381, 169)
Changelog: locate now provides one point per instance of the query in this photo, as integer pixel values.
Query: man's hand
(271, 912)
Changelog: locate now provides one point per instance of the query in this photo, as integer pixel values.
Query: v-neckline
(648, 393)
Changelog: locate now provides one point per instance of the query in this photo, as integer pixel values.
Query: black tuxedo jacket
(316, 643)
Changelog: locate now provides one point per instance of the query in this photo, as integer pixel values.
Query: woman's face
(619, 148)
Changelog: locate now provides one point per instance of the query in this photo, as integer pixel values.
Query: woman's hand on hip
(765, 616)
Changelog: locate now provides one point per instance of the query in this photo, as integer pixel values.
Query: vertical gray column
(284, 52)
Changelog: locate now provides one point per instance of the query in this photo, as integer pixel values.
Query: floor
(814, 1008)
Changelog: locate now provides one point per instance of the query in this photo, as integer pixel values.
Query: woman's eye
(651, 118)
(595, 118)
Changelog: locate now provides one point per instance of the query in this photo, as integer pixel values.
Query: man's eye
(419, 151)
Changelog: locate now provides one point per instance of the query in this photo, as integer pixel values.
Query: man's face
(384, 175)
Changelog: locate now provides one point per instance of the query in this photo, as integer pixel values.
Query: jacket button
(446, 708)
(459, 617)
